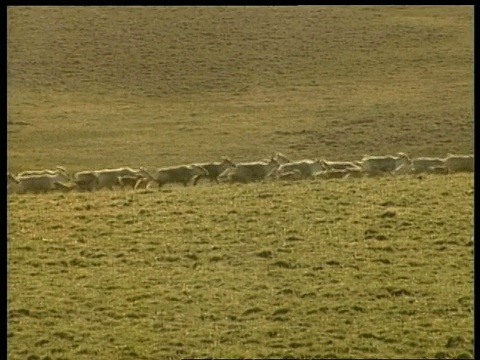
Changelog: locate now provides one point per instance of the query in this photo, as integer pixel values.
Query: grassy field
(359, 268)
(323, 269)
(96, 87)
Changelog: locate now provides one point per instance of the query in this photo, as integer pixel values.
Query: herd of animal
(278, 167)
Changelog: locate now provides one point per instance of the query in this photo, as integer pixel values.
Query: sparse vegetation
(375, 267)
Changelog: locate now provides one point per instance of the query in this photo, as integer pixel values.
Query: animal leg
(195, 179)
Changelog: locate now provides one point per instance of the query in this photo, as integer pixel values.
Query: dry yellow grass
(360, 268)
(95, 87)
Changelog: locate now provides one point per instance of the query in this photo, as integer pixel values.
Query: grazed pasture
(379, 267)
(361, 268)
(101, 87)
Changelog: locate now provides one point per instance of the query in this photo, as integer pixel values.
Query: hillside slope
(94, 87)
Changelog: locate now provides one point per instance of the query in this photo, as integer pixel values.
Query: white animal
(108, 178)
(423, 164)
(376, 165)
(58, 170)
(459, 163)
(86, 180)
(306, 167)
(250, 171)
(130, 180)
(419, 165)
(214, 170)
(40, 183)
(92, 180)
(178, 174)
(282, 159)
(339, 165)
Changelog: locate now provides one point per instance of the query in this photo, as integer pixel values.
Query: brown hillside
(94, 87)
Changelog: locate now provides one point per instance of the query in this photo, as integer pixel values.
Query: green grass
(359, 268)
(313, 268)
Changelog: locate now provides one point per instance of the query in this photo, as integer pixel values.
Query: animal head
(59, 176)
(317, 165)
(11, 178)
(282, 158)
(324, 164)
(63, 171)
(405, 157)
(274, 163)
(228, 162)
